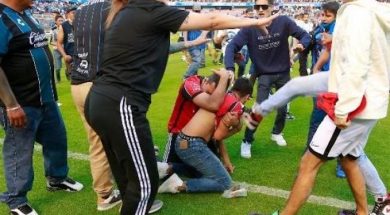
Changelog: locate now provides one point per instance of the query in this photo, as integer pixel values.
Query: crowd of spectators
(50, 6)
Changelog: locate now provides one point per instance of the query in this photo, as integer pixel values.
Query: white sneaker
(235, 192)
(278, 138)
(246, 150)
(162, 169)
(171, 184)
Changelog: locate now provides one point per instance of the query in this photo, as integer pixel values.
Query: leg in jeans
(51, 134)
(100, 168)
(264, 83)
(303, 62)
(178, 166)
(241, 68)
(280, 119)
(195, 64)
(57, 64)
(17, 157)
(308, 169)
(214, 178)
(203, 57)
(126, 137)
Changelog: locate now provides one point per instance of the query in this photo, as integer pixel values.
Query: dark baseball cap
(70, 9)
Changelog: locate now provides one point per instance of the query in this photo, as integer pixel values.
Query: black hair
(70, 9)
(331, 6)
(271, 2)
(214, 78)
(242, 86)
(57, 17)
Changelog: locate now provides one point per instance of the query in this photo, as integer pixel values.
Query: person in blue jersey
(197, 53)
(28, 108)
(136, 49)
(269, 53)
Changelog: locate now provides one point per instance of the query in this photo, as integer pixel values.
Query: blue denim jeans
(214, 177)
(57, 64)
(196, 58)
(45, 126)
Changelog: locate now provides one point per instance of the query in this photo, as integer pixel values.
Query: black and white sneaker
(157, 205)
(111, 201)
(67, 185)
(24, 210)
(382, 206)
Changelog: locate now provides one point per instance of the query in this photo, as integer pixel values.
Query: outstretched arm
(179, 46)
(215, 21)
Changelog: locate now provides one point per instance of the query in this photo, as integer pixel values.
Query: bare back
(202, 125)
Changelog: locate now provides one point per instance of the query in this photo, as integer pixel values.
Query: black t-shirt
(68, 38)
(26, 58)
(136, 49)
(89, 37)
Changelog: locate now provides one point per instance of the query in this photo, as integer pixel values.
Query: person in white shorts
(360, 66)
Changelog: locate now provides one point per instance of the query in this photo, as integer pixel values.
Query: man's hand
(200, 40)
(17, 117)
(341, 122)
(229, 167)
(68, 59)
(266, 21)
(230, 119)
(326, 38)
(223, 73)
(298, 48)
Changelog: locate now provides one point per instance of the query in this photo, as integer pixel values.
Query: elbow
(214, 23)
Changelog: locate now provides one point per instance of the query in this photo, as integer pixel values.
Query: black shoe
(24, 210)
(347, 212)
(381, 207)
(68, 185)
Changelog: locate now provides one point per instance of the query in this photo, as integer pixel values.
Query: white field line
(269, 191)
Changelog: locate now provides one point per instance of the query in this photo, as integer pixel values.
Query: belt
(190, 138)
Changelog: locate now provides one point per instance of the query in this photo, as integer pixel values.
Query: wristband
(13, 108)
